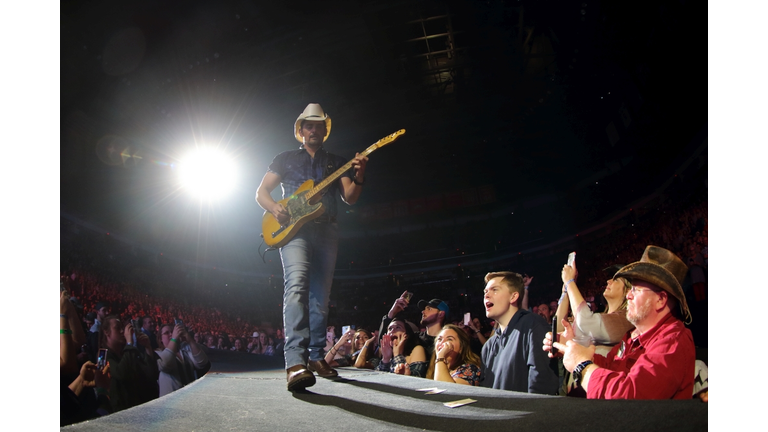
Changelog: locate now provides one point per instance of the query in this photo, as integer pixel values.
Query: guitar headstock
(386, 140)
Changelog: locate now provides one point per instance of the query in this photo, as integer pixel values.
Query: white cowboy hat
(313, 112)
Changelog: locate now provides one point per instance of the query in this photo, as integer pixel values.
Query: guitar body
(301, 209)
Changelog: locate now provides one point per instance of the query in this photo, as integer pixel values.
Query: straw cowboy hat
(313, 112)
(663, 269)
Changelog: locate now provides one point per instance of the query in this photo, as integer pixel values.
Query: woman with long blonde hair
(606, 329)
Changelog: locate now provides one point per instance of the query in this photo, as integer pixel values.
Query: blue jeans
(308, 260)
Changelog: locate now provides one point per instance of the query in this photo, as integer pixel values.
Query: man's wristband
(174, 340)
(66, 331)
(579, 369)
(569, 281)
(354, 180)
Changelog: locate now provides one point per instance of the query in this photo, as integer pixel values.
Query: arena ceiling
(505, 103)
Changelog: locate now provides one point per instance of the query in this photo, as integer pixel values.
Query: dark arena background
(533, 129)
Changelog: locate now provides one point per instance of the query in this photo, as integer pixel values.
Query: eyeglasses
(635, 290)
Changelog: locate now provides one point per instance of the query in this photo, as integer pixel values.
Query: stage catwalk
(245, 392)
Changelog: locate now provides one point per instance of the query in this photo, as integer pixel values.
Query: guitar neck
(320, 187)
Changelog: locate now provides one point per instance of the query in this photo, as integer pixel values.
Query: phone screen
(102, 359)
(571, 258)
(466, 318)
(408, 296)
(345, 329)
(554, 334)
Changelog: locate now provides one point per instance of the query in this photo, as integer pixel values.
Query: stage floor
(245, 392)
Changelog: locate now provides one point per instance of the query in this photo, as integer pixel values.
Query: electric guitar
(304, 205)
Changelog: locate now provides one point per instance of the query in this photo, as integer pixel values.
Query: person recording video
(179, 356)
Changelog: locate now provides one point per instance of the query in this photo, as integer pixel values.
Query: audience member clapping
(401, 352)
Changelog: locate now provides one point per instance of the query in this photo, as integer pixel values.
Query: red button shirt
(658, 364)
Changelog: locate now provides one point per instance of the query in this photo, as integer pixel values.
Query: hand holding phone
(572, 259)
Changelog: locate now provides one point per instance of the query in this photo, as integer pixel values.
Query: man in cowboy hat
(656, 359)
(309, 257)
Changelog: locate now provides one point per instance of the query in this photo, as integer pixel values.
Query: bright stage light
(208, 173)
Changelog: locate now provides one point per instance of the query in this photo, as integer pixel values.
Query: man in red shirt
(655, 360)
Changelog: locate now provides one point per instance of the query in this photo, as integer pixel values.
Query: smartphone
(571, 258)
(467, 318)
(554, 334)
(136, 325)
(345, 329)
(407, 296)
(177, 321)
(101, 361)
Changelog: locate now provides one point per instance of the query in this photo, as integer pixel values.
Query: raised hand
(399, 306)
(143, 340)
(64, 304)
(128, 332)
(527, 280)
(568, 273)
(178, 330)
(88, 374)
(563, 339)
(472, 326)
(386, 348)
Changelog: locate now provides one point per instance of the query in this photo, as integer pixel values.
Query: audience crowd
(146, 329)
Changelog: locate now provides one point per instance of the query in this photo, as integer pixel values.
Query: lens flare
(208, 173)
